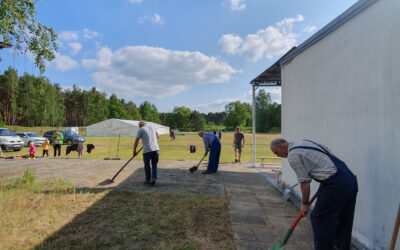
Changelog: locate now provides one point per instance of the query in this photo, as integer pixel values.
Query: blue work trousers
(333, 214)
(153, 157)
(215, 152)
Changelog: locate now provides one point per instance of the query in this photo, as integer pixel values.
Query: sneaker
(153, 182)
(236, 160)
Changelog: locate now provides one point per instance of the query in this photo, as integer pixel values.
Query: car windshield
(33, 135)
(6, 132)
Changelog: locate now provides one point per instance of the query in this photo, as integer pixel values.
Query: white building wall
(344, 92)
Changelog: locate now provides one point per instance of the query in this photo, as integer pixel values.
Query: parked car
(10, 141)
(29, 137)
(70, 137)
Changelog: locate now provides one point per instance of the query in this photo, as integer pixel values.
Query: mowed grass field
(56, 215)
(107, 147)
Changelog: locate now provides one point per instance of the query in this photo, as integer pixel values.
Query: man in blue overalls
(212, 144)
(333, 214)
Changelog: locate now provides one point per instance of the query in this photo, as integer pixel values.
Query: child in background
(80, 149)
(32, 148)
(45, 147)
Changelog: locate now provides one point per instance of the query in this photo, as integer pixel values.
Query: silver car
(9, 140)
(29, 137)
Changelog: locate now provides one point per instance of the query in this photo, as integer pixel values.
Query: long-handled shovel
(109, 181)
(195, 167)
(281, 245)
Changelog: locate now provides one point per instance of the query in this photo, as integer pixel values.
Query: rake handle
(291, 229)
(119, 171)
(301, 215)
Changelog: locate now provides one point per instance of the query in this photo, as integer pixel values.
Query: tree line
(29, 100)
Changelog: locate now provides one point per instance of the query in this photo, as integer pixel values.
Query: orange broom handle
(301, 215)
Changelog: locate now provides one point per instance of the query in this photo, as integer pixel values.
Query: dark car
(70, 137)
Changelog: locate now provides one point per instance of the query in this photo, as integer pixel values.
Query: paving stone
(246, 209)
(247, 219)
(253, 245)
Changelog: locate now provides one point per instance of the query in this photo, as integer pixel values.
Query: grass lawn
(55, 215)
(172, 150)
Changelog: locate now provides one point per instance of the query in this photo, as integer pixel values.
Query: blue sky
(201, 54)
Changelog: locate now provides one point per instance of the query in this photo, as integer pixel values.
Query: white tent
(116, 127)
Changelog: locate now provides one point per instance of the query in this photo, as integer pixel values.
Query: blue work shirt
(208, 138)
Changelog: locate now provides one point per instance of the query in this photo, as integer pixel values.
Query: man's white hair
(277, 142)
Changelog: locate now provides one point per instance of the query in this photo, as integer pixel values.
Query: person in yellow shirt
(45, 147)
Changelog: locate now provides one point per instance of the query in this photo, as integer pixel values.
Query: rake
(109, 181)
(195, 167)
(281, 245)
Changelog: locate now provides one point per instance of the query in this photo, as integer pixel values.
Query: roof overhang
(272, 75)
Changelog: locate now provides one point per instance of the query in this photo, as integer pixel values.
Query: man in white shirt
(149, 138)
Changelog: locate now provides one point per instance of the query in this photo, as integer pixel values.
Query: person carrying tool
(238, 143)
(333, 214)
(212, 144)
(149, 138)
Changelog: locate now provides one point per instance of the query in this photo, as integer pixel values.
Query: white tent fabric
(118, 127)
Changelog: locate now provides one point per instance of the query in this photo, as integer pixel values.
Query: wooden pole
(395, 230)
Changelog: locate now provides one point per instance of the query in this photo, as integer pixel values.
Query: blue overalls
(215, 152)
(333, 214)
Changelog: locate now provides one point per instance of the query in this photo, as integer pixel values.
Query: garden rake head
(110, 181)
(195, 167)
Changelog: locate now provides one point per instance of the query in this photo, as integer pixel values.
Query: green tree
(133, 111)
(197, 121)
(116, 108)
(18, 26)
(237, 114)
(9, 94)
(149, 112)
(182, 117)
(96, 107)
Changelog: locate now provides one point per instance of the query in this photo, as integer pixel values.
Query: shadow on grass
(183, 211)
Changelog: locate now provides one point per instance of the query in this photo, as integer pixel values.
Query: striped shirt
(308, 163)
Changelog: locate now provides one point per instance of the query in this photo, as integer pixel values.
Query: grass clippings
(55, 215)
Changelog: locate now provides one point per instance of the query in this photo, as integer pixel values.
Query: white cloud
(68, 35)
(75, 47)
(90, 34)
(155, 18)
(236, 5)
(230, 44)
(151, 72)
(135, 1)
(266, 43)
(219, 105)
(309, 29)
(215, 106)
(63, 63)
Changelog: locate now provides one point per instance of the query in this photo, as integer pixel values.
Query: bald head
(279, 147)
(201, 133)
